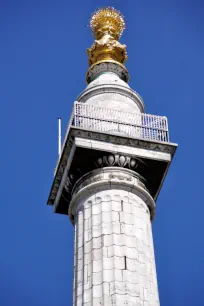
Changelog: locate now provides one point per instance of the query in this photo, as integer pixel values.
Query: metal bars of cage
(96, 118)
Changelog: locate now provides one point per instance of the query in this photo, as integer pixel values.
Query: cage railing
(118, 122)
(113, 121)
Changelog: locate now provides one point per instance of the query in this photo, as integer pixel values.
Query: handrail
(103, 119)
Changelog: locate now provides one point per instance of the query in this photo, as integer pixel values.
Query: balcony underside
(82, 146)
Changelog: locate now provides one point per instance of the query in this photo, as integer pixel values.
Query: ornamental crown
(107, 21)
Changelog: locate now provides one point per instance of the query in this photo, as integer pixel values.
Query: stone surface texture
(109, 91)
(114, 260)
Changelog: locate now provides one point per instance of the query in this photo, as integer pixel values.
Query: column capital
(107, 178)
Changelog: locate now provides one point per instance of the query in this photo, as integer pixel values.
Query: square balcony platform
(95, 131)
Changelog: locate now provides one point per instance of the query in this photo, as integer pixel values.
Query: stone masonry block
(144, 281)
(87, 295)
(108, 263)
(143, 269)
(96, 209)
(106, 206)
(96, 219)
(116, 205)
(80, 253)
(106, 288)
(79, 277)
(97, 254)
(110, 251)
(85, 274)
(142, 258)
(86, 224)
(97, 291)
(118, 287)
(96, 231)
(79, 300)
(128, 218)
(131, 253)
(80, 265)
(87, 235)
(132, 265)
(118, 273)
(139, 234)
(131, 276)
(97, 265)
(80, 290)
(105, 251)
(130, 241)
(133, 289)
(97, 278)
(127, 229)
(87, 213)
(87, 247)
(127, 208)
(119, 250)
(97, 243)
(115, 216)
(107, 240)
(80, 241)
(108, 275)
(106, 217)
(107, 228)
(119, 262)
(116, 227)
(118, 239)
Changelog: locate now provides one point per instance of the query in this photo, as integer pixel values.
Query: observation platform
(142, 140)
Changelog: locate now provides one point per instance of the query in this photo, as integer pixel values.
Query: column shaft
(114, 253)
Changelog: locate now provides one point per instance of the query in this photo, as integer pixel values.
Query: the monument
(111, 168)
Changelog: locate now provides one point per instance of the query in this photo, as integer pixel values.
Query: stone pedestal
(114, 255)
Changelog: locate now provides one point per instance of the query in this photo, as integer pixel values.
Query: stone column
(114, 260)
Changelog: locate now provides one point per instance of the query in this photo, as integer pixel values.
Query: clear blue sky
(42, 70)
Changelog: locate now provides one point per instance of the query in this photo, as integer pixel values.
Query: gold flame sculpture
(107, 25)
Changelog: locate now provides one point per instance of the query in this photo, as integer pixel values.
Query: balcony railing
(137, 125)
(101, 119)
